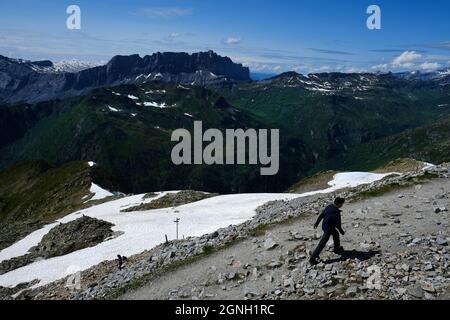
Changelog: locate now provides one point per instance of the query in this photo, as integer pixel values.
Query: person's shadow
(352, 255)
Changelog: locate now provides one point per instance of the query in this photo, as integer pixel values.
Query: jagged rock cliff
(26, 81)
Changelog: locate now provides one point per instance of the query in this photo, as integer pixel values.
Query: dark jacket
(331, 217)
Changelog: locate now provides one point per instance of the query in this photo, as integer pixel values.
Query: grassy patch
(260, 230)
(316, 182)
(401, 165)
(426, 177)
(380, 191)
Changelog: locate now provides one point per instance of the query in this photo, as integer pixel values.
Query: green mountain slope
(333, 113)
(429, 143)
(33, 194)
(322, 118)
(127, 131)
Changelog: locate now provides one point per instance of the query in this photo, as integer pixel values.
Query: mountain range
(26, 81)
(441, 76)
(121, 116)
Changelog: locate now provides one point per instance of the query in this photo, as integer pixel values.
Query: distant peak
(287, 74)
(43, 63)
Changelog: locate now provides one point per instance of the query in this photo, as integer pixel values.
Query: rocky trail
(397, 237)
(403, 234)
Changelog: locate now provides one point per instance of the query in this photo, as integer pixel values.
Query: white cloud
(381, 67)
(276, 68)
(407, 65)
(430, 66)
(164, 12)
(232, 41)
(301, 69)
(406, 58)
(354, 70)
(266, 67)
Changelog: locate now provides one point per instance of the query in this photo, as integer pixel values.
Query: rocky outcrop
(63, 239)
(82, 233)
(172, 200)
(24, 81)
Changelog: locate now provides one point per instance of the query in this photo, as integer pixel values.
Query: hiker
(331, 226)
(121, 261)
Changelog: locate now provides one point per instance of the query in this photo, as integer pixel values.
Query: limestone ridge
(26, 81)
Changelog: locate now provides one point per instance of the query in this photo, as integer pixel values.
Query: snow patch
(162, 105)
(428, 166)
(156, 91)
(99, 192)
(350, 180)
(112, 109)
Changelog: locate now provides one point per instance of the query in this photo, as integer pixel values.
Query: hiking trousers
(323, 242)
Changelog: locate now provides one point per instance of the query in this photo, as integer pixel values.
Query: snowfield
(146, 229)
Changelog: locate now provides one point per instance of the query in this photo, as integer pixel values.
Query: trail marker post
(177, 221)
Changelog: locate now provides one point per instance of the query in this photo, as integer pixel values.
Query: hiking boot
(313, 262)
(339, 250)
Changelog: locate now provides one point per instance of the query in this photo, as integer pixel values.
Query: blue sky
(268, 36)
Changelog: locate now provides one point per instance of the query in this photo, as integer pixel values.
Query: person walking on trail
(331, 227)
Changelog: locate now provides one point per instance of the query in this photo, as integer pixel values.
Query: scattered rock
(428, 287)
(231, 276)
(351, 292)
(270, 244)
(416, 291)
(440, 209)
(274, 264)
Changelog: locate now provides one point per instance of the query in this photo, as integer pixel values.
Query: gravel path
(398, 232)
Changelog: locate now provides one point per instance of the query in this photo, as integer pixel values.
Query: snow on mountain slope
(74, 66)
(99, 192)
(146, 229)
(69, 66)
(142, 231)
(349, 180)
